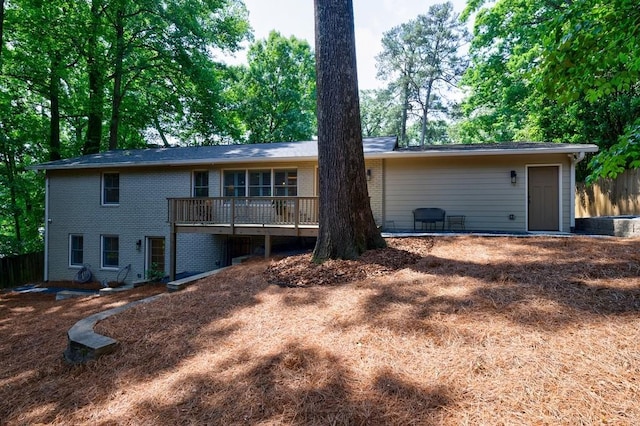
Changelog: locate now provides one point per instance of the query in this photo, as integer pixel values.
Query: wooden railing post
(231, 211)
(232, 219)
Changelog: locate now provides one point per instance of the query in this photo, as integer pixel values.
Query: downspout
(575, 159)
(46, 227)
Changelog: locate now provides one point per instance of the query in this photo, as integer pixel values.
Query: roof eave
(488, 152)
(172, 163)
(567, 149)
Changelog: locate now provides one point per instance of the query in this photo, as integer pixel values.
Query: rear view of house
(167, 210)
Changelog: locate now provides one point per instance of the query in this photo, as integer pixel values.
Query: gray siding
(75, 208)
(478, 187)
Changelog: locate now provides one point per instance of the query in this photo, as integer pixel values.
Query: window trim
(247, 186)
(102, 252)
(195, 187)
(71, 251)
(103, 189)
(285, 186)
(224, 186)
(261, 187)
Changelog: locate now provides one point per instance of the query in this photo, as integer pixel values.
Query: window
(260, 183)
(110, 188)
(110, 251)
(200, 184)
(76, 250)
(286, 183)
(235, 183)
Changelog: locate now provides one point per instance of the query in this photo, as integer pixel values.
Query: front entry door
(544, 209)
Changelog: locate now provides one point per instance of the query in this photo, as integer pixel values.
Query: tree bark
(8, 156)
(54, 99)
(425, 114)
(347, 227)
(158, 127)
(1, 31)
(96, 86)
(116, 100)
(405, 111)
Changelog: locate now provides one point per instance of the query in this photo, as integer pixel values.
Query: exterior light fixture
(368, 174)
(138, 245)
(514, 177)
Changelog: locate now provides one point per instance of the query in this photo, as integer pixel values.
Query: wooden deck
(267, 216)
(245, 215)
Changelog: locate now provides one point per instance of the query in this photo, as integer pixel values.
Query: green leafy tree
(380, 113)
(30, 85)
(346, 224)
(556, 71)
(397, 63)
(423, 61)
(161, 60)
(80, 77)
(279, 90)
(592, 55)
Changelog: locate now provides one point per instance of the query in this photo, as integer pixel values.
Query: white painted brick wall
(75, 208)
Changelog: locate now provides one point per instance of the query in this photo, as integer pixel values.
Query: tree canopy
(422, 60)
(278, 90)
(557, 71)
(83, 77)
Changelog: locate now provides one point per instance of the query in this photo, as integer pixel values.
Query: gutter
(570, 150)
(177, 163)
(46, 228)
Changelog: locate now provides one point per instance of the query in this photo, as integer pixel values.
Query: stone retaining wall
(617, 226)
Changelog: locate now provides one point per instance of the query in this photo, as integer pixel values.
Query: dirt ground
(429, 331)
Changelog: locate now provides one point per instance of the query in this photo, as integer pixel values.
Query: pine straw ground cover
(442, 331)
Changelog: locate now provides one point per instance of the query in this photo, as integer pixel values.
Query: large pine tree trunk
(425, 115)
(347, 227)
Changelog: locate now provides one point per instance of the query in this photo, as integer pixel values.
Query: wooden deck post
(267, 246)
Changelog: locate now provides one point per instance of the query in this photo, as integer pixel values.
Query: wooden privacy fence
(610, 197)
(22, 269)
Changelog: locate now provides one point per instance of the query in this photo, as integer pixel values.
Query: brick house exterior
(111, 210)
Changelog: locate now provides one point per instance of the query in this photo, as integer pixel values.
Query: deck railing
(232, 211)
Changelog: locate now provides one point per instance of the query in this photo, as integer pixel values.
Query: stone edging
(84, 344)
